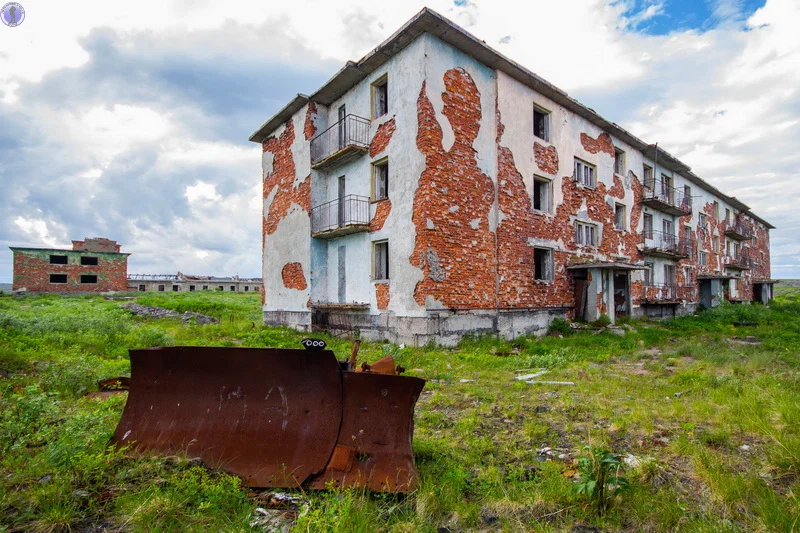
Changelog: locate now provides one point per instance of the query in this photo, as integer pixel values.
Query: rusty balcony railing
(665, 244)
(669, 293)
(342, 142)
(738, 230)
(660, 195)
(349, 214)
(740, 261)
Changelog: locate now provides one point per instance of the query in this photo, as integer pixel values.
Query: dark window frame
(59, 260)
(66, 279)
(86, 279)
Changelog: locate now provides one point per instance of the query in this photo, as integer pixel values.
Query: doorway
(621, 294)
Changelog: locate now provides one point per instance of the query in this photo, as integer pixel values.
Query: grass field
(684, 425)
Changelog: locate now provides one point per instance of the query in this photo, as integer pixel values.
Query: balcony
(738, 231)
(668, 293)
(343, 216)
(346, 140)
(740, 261)
(660, 244)
(660, 195)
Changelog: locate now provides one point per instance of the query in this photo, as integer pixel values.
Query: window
(541, 194)
(702, 258)
(191, 288)
(233, 288)
(88, 261)
(727, 215)
(648, 226)
(205, 287)
(380, 97)
(669, 274)
(648, 273)
(703, 221)
(666, 227)
(619, 217)
(716, 210)
(619, 161)
(584, 173)
(160, 288)
(687, 194)
(220, 288)
(175, 288)
(142, 288)
(715, 246)
(88, 278)
(58, 259)
(246, 288)
(687, 276)
(380, 261)
(543, 264)
(647, 174)
(541, 123)
(585, 234)
(58, 278)
(380, 175)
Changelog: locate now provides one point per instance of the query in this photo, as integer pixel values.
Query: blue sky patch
(681, 15)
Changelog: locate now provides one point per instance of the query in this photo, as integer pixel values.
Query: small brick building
(93, 265)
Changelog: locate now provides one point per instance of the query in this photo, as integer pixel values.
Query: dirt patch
(151, 311)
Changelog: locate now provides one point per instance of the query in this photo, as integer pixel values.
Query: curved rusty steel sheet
(374, 446)
(271, 416)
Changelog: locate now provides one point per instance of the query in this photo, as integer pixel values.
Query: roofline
(279, 118)
(431, 22)
(21, 248)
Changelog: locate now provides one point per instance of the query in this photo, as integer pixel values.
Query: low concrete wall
(439, 327)
(665, 310)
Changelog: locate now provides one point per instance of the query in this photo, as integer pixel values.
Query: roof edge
(279, 118)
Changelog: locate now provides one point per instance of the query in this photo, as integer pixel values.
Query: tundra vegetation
(691, 424)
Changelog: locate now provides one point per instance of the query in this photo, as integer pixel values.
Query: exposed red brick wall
(309, 129)
(283, 177)
(382, 295)
(382, 210)
(454, 247)
(32, 271)
(381, 138)
(97, 244)
(293, 277)
(759, 251)
(546, 158)
(603, 143)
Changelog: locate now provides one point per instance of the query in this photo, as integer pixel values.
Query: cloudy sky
(130, 120)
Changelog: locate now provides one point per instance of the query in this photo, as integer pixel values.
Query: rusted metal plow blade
(270, 416)
(277, 418)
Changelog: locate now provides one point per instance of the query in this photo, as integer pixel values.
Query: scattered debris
(631, 460)
(745, 324)
(528, 377)
(541, 409)
(745, 447)
(616, 331)
(466, 381)
(45, 479)
(80, 494)
(119, 298)
(551, 383)
(746, 340)
(272, 520)
(159, 312)
(679, 394)
(110, 387)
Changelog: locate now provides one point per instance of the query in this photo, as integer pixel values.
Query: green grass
(710, 426)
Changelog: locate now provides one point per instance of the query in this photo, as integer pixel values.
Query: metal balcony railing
(345, 139)
(738, 230)
(342, 216)
(740, 261)
(669, 293)
(666, 244)
(658, 194)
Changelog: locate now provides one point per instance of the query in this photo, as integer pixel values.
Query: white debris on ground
(159, 312)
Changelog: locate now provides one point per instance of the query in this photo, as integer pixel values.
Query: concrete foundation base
(440, 327)
(665, 310)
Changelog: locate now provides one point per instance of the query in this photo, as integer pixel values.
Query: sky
(130, 120)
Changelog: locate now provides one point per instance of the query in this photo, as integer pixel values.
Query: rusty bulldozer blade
(275, 417)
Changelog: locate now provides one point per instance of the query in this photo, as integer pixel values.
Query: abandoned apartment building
(181, 282)
(92, 265)
(436, 188)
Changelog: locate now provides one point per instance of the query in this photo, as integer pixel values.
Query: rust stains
(382, 137)
(546, 158)
(454, 246)
(382, 210)
(603, 143)
(293, 277)
(282, 178)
